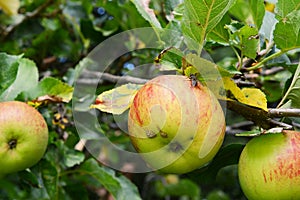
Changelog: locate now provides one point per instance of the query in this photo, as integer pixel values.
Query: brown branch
(259, 117)
(256, 115)
(284, 112)
(92, 78)
(264, 119)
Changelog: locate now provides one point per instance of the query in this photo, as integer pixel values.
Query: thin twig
(271, 71)
(27, 16)
(93, 78)
(280, 124)
(283, 112)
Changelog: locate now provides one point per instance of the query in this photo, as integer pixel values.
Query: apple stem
(12, 144)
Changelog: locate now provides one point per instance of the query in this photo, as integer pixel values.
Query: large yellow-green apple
(269, 167)
(176, 126)
(23, 136)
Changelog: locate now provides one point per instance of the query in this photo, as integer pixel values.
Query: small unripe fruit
(269, 167)
(175, 125)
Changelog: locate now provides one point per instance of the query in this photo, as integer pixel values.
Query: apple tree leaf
(255, 97)
(284, 8)
(67, 157)
(293, 93)
(249, 96)
(53, 90)
(246, 39)
(29, 177)
(250, 12)
(257, 12)
(148, 13)
(284, 39)
(24, 80)
(10, 7)
(119, 186)
(184, 187)
(116, 100)
(50, 178)
(169, 59)
(200, 17)
(8, 70)
(233, 92)
(220, 33)
(288, 14)
(73, 157)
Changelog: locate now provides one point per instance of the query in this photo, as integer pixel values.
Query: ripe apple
(23, 136)
(175, 124)
(269, 167)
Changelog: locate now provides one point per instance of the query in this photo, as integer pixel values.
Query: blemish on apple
(150, 134)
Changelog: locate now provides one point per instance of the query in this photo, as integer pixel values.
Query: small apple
(269, 167)
(23, 136)
(176, 126)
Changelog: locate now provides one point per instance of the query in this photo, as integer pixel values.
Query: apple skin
(269, 167)
(23, 136)
(175, 125)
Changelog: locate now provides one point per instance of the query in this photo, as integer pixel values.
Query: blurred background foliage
(57, 35)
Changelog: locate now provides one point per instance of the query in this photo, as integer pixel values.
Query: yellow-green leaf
(116, 100)
(233, 91)
(255, 97)
(10, 6)
(249, 96)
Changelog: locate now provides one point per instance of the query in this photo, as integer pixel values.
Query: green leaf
(251, 12)
(290, 39)
(63, 156)
(284, 8)
(219, 33)
(73, 157)
(8, 70)
(200, 17)
(50, 178)
(246, 40)
(169, 59)
(9, 190)
(184, 187)
(218, 195)
(257, 11)
(29, 177)
(293, 92)
(148, 13)
(53, 87)
(25, 79)
(119, 186)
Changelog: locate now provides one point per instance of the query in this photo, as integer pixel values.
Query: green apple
(269, 167)
(23, 136)
(176, 125)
